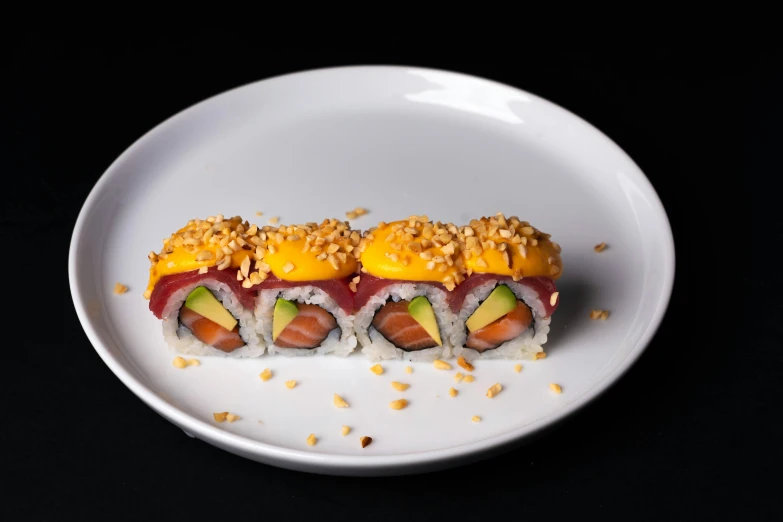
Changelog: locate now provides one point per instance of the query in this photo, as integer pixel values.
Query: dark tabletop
(691, 432)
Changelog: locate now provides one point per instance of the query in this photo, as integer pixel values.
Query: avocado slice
(201, 301)
(285, 312)
(500, 302)
(421, 310)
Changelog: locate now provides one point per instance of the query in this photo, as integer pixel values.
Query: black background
(690, 432)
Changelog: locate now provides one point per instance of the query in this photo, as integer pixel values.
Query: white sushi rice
(523, 347)
(181, 340)
(376, 347)
(339, 342)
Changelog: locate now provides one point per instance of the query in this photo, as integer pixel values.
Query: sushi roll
(408, 269)
(194, 288)
(505, 304)
(305, 304)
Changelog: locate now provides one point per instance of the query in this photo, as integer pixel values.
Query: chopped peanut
(400, 386)
(179, 362)
(377, 369)
(476, 418)
(408, 369)
(340, 402)
(517, 368)
(290, 384)
(600, 247)
(469, 378)
(540, 355)
(345, 430)
(453, 392)
(220, 417)
(398, 404)
(194, 362)
(494, 390)
(465, 364)
(458, 376)
(311, 440)
(231, 417)
(120, 288)
(266, 374)
(553, 298)
(441, 365)
(366, 441)
(555, 388)
(599, 314)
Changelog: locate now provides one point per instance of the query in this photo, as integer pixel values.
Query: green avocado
(421, 310)
(201, 301)
(285, 312)
(500, 302)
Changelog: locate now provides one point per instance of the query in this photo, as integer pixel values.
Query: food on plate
(197, 289)
(305, 306)
(411, 289)
(504, 305)
(409, 267)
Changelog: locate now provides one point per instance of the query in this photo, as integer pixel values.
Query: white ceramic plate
(397, 141)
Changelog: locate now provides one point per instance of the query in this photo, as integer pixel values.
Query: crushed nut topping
(398, 404)
(494, 390)
(465, 364)
(340, 402)
(120, 288)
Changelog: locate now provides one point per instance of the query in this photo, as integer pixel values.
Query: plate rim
(330, 463)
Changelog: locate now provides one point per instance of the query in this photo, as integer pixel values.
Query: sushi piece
(505, 304)
(408, 269)
(305, 304)
(194, 288)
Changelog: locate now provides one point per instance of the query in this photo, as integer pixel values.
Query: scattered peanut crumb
(408, 369)
(220, 417)
(266, 374)
(453, 392)
(345, 430)
(398, 404)
(311, 440)
(553, 298)
(366, 441)
(399, 386)
(120, 288)
(290, 384)
(465, 364)
(555, 388)
(179, 362)
(458, 376)
(231, 417)
(599, 314)
(517, 368)
(469, 378)
(540, 355)
(476, 418)
(441, 365)
(194, 362)
(260, 422)
(600, 247)
(494, 390)
(377, 369)
(288, 267)
(274, 220)
(340, 402)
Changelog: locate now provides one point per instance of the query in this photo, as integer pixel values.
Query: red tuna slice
(543, 286)
(337, 289)
(169, 284)
(369, 285)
